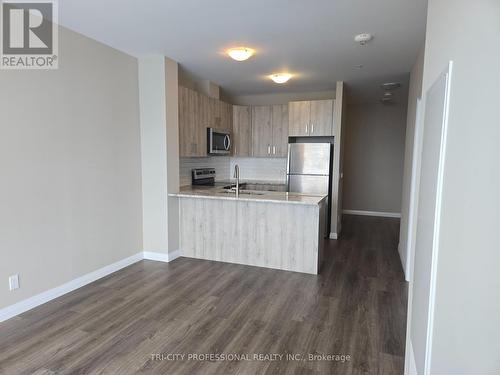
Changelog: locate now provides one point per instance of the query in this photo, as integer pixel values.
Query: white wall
(70, 191)
(158, 87)
(374, 152)
(414, 93)
(467, 308)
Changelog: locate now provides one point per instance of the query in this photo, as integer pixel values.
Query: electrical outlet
(14, 282)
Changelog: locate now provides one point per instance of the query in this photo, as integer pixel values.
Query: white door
(428, 219)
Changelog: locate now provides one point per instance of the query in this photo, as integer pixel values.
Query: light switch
(14, 282)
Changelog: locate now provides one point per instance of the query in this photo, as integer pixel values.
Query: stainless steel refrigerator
(309, 171)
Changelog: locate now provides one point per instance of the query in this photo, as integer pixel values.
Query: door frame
(410, 365)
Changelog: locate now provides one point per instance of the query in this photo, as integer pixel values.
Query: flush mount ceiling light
(240, 53)
(362, 39)
(280, 77)
(390, 85)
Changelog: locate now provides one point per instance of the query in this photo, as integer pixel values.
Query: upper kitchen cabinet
(299, 116)
(270, 131)
(197, 112)
(262, 132)
(311, 118)
(190, 116)
(226, 116)
(280, 131)
(242, 130)
(321, 118)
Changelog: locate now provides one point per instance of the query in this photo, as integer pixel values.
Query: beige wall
(415, 92)
(374, 153)
(467, 308)
(70, 191)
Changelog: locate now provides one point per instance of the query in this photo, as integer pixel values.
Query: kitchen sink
(258, 187)
(242, 192)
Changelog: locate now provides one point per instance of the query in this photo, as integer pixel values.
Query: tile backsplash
(220, 163)
(266, 169)
(262, 169)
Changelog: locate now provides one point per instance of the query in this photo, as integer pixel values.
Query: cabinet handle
(306, 129)
(312, 128)
(274, 150)
(269, 149)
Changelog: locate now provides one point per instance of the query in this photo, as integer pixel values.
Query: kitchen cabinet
(262, 132)
(311, 118)
(280, 131)
(270, 131)
(197, 112)
(226, 116)
(242, 130)
(190, 115)
(299, 117)
(321, 118)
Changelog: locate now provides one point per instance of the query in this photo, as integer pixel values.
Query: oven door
(218, 142)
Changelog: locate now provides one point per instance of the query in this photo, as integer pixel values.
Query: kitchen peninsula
(278, 230)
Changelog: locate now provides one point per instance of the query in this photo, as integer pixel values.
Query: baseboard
(162, 257)
(41, 298)
(372, 213)
(158, 257)
(174, 255)
(44, 297)
(333, 236)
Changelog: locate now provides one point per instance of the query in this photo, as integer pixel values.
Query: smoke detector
(362, 39)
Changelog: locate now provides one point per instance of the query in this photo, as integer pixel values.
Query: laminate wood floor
(134, 320)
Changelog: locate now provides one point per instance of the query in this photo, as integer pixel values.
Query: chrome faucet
(237, 177)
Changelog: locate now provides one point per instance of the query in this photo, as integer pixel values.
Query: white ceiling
(312, 39)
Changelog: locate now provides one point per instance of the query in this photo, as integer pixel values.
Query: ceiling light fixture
(240, 53)
(390, 85)
(362, 39)
(280, 77)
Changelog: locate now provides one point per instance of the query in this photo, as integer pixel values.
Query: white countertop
(210, 192)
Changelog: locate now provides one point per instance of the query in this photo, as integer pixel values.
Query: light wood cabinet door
(189, 122)
(321, 123)
(299, 116)
(226, 116)
(183, 111)
(262, 132)
(279, 147)
(242, 130)
(214, 114)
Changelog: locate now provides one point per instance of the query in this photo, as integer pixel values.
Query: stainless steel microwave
(218, 142)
